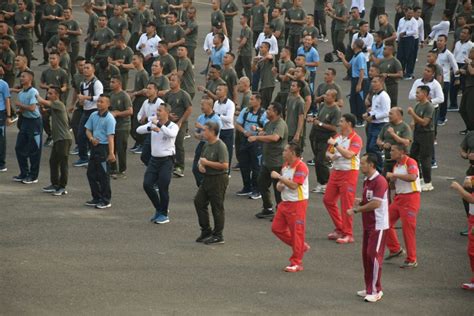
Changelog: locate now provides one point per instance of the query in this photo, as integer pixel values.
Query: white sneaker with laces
(427, 187)
(372, 298)
(362, 293)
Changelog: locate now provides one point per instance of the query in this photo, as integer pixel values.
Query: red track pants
(289, 224)
(470, 244)
(405, 207)
(343, 185)
(373, 248)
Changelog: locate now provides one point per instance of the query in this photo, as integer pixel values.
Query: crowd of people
(262, 93)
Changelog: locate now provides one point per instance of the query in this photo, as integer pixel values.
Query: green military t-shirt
(328, 115)
(247, 11)
(403, 130)
(229, 6)
(141, 80)
(168, 63)
(279, 26)
(319, 5)
(191, 38)
(173, 33)
(105, 75)
(51, 26)
(211, 85)
(125, 54)
(424, 111)
(121, 102)
(179, 101)
(284, 66)
(324, 87)
(103, 36)
(72, 25)
(390, 66)
(65, 63)
(245, 100)
(467, 144)
(231, 79)
(246, 50)
(340, 11)
(23, 18)
(160, 7)
(295, 14)
(217, 18)
(216, 152)
(387, 32)
(59, 122)
(57, 77)
(8, 58)
(267, 79)
(273, 151)
(310, 30)
(258, 17)
(162, 82)
(187, 81)
(117, 24)
(294, 108)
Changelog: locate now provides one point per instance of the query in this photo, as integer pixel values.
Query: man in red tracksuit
(405, 178)
(344, 153)
(290, 220)
(468, 197)
(374, 209)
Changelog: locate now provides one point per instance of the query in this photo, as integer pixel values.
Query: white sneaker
(362, 293)
(468, 286)
(422, 182)
(319, 189)
(427, 187)
(372, 298)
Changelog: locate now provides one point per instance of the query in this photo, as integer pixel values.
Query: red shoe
(306, 247)
(345, 240)
(294, 268)
(335, 235)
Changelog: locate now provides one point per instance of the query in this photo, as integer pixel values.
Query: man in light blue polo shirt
(359, 81)
(312, 59)
(208, 115)
(218, 51)
(250, 121)
(5, 120)
(29, 141)
(100, 130)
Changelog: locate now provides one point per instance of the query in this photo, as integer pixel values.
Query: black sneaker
(255, 196)
(92, 203)
(50, 189)
(60, 191)
(244, 192)
(214, 240)
(48, 142)
(101, 205)
(18, 178)
(204, 236)
(310, 162)
(29, 180)
(265, 213)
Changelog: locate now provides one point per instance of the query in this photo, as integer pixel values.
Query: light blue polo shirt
(358, 62)
(311, 56)
(217, 56)
(252, 120)
(4, 94)
(377, 51)
(101, 126)
(203, 119)
(28, 97)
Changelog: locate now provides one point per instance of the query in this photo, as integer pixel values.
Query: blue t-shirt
(28, 97)
(311, 55)
(101, 126)
(377, 51)
(252, 120)
(203, 119)
(358, 62)
(217, 56)
(4, 94)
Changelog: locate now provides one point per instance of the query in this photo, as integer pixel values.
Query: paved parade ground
(59, 257)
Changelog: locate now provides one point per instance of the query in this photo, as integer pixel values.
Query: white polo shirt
(225, 110)
(436, 91)
(368, 41)
(149, 108)
(447, 61)
(461, 51)
(380, 107)
(409, 27)
(151, 45)
(162, 142)
(268, 39)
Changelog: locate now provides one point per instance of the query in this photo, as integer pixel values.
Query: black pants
(98, 173)
(422, 151)
(426, 15)
(28, 147)
(121, 146)
(75, 121)
(198, 176)
(38, 28)
(320, 21)
(374, 13)
(267, 95)
(244, 63)
(75, 47)
(339, 40)
(159, 172)
(255, 36)
(319, 145)
(25, 45)
(146, 150)
(229, 23)
(281, 98)
(191, 53)
(356, 99)
(227, 136)
(294, 43)
(58, 162)
(137, 105)
(3, 138)
(249, 161)
(454, 90)
(466, 109)
(45, 38)
(392, 90)
(264, 182)
(405, 54)
(211, 191)
(82, 142)
(46, 116)
(179, 144)
(398, 16)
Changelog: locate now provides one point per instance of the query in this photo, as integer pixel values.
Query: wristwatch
(321, 124)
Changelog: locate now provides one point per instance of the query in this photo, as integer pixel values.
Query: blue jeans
(443, 107)
(28, 147)
(159, 172)
(373, 131)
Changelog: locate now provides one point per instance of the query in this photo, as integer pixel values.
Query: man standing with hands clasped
(213, 164)
(374, 209)
(289, 223)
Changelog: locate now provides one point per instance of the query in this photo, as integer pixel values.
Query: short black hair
(362, 23)
(296, 148)
(300, 83)
(425, 89)
(401, 147)
(350, 118)
(371, 158)
(257, 96)
(56, 89)
(277, 108)
(213, 126)
(216, 67)
(80, 58)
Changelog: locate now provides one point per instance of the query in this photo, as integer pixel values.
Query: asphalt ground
(59, 257)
